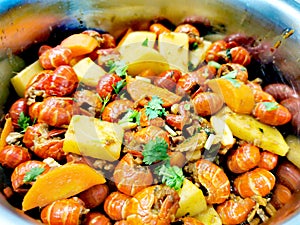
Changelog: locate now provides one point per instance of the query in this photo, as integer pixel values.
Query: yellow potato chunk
(21, 80)
(88, 72)
(197, 56)
(145, 38)
(90, 136)
(140, 58)
(209, 216)
(192, 200)
(247, 128)
(175, 48)
(294, 153)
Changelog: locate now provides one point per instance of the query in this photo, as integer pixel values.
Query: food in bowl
(160, 126)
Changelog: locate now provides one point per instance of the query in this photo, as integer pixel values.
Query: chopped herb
(243, 68)
(122, 96)
(104, 102)
(110, 64)
(145, 42)
(154, 108)
(171, 175)
(136, 116)
(194, 46)
(120, 84)
(24, 122)
(155, 150)
(261, 130)
(214, 64)
(235, 83)
(270, 105)
(33, 174)
(191, 66)
(187, 106)
(131, 116)
(228, 54)
(207, 130)
(118, 67)
(231, 77)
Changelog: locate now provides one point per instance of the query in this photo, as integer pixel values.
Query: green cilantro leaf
(191, 66)
(194, 46)
(231, 76)
(135, 116)
(118, 67)
(214, 64)
(131, 116)
(24, 121)
(145, 42)
(155, 150)
(154, 108)
(171, 175)
(119, 85)
(187, 106)
(111, 65)
(270, 105)
(228, 54)
(104, 102)
(33, 174)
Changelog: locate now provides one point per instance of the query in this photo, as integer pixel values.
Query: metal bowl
(23, 24)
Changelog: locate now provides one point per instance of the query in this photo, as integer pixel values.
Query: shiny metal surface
(25, 22)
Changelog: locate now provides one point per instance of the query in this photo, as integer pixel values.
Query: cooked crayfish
(87, 102)
(54, 111)
(96, 218)
(235, 211)
(64, 212)
(246, 157)
(214, 179)
(130, 176)
(113, 111)
(13, 155)
(18, 107)
(61, 82)
(156, 204)
(274, 115)
(43, 142)
(19, 183)
(256, 182)
(268, 160)
(115, 205)
(51, 58)
(94, 196)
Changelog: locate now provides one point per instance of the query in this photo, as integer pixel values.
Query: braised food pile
(158, 126)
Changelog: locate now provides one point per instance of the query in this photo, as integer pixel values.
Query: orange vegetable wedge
(80, 44)
(237, 95)
(60, 183)
(8, 127)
